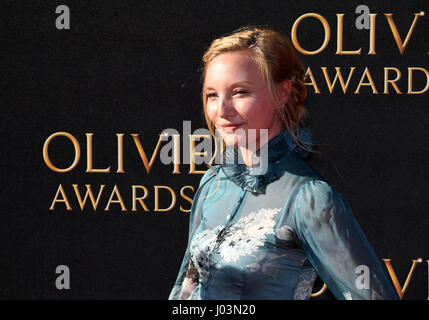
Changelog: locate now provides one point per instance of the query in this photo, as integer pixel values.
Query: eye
(241, 91)
(211, 95)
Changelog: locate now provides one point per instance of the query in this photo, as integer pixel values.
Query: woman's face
(238, 99)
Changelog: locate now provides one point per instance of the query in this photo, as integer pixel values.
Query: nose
(225, 106)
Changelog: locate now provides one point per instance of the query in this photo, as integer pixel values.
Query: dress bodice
(268, 235)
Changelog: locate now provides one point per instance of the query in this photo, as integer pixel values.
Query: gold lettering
(401, 45)
(76, 151)
(64, 198)
(118, 200)
(176, 143)
(340, 32)
(320, 292)
(325, 28)
(192, 138)
(372, 17)
(91, 196)
(338, 75)
(120, 152)
(410, 80)
(399, 290)
(370, 83)
(89, 167)
(148, 165)
(313, 82)
(173, 202)
(182, 193)
(392, 82)
(140, 200)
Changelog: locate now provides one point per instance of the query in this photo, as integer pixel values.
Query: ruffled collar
(255, 179)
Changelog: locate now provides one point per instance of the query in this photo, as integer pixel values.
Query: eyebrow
(234, 84)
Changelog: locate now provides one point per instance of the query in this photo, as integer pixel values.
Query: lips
(231, 126)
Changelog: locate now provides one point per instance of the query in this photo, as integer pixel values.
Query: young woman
(267, 234)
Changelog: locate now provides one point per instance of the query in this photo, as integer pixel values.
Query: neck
(247, 152)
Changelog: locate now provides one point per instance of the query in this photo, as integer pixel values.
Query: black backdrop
(132, 67)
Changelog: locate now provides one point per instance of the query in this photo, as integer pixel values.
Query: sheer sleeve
(336, 246)
(187, 278)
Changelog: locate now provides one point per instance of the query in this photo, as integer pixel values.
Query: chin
(231, 141)
(234, 139)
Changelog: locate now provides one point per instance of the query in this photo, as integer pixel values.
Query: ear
(285, 89)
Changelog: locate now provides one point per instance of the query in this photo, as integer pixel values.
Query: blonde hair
(277, 60)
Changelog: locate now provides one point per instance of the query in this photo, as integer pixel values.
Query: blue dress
(268, 236)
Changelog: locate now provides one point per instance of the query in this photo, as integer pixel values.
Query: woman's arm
(336, 245)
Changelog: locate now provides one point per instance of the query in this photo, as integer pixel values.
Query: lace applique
(305, 285)
(247, 234)
(347, 295)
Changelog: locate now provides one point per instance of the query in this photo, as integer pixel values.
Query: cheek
(254, 110)
(211, 111)
(258, 111)
(248, 109)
